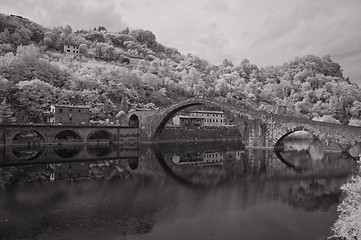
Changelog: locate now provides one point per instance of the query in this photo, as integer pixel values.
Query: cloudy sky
(267, 32)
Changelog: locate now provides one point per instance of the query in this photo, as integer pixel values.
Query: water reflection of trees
(135, 206)
(187, 165)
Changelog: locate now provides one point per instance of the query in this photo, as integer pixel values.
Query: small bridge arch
(133, 120)
(100, 135)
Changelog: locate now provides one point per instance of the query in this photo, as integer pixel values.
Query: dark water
(214, 190)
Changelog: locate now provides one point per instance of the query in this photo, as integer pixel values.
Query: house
(211, 118)
(71, 49)
(188, 121)
(66, 171)
(68, 114)
(206, 158)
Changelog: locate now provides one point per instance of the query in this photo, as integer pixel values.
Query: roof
(208, 112)
(70, 106)
(192, 117)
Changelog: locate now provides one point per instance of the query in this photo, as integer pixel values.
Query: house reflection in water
(92, 170)
(206, 158)
(64, 171)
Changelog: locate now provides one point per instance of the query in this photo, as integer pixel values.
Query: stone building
(188, 121)
(211, 118)
(68, 114)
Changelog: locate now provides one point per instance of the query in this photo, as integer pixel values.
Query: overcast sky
(267, 32)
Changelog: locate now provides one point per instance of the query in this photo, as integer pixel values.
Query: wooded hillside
(116, 70)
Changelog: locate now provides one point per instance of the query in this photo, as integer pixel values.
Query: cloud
(265, 32)
(324, 27)
(80, 14)
(306, 13)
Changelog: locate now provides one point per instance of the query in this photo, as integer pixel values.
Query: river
(195, 190)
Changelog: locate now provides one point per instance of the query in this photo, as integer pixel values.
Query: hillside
(116, 70)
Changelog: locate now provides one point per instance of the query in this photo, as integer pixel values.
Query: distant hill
(117, 70)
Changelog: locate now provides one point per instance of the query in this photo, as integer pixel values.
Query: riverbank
(348, 225)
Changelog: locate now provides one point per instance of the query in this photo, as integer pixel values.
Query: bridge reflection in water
(35, 154)
(159, 190)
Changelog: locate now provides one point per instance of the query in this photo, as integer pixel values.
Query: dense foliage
(348, 225)
(132, 65)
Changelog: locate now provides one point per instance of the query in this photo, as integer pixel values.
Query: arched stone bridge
(57, 134)
(258, 128)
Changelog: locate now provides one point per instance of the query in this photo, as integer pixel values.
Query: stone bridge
(59, 134)
(257, 128)
(27, 144)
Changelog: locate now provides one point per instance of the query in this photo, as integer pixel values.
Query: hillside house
(68, 49)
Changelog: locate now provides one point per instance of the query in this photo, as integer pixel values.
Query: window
(60, 110)
(68, 50)
(79, 110)
(70, 119)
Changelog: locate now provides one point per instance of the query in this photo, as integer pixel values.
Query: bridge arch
(38, 138)
(134, 121)
(288, 131)
(317, 133)
(170, 112)
(315, 148)
(68, 135)
(100, 135)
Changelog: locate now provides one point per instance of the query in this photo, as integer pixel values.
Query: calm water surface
(169, 191)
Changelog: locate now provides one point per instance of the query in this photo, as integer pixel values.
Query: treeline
(35, 74)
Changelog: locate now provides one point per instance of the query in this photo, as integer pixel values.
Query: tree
(36, 96)
(125, 31)
(6, 113)
(355, 110)
(15, 38)
(29, 53)
(124, 106)
(144, 36)
(5, 36)
(101, 28)
(326, 118)
(83, 49)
